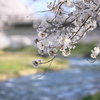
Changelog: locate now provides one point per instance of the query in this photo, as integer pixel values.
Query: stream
(69, 84)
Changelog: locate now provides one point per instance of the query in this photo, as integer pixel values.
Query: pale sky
(40, 5)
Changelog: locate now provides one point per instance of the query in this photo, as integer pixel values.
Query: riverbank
(16, 64)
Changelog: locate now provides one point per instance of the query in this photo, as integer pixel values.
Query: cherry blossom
(65, 29)
(36, 63)
(95, 52)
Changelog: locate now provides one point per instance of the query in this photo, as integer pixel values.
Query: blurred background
(72, 78)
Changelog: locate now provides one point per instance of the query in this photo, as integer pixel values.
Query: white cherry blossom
(41, 52)
(40, 45)
(52, 52)
(36, 63)
(42, 34)
(95, 52)
(66, 52)
(65, 29)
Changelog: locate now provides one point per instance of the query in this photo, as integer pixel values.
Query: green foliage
(21, 49)
(17, 64)
(83, 48)
(94, 97)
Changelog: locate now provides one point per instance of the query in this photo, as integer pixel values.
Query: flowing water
(69, 84)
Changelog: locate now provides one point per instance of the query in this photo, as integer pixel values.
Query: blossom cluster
(95, 52)
(65, 29)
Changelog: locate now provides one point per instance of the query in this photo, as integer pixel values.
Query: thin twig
(46, 69)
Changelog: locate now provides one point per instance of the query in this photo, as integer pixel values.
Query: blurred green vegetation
(17, 62)
(92, 97)
(14, 64)
(21, 49)
(83, 49)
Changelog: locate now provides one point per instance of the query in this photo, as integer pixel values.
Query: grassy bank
(92, 97)
(14, 64)
(17, 62)
(83, 49)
